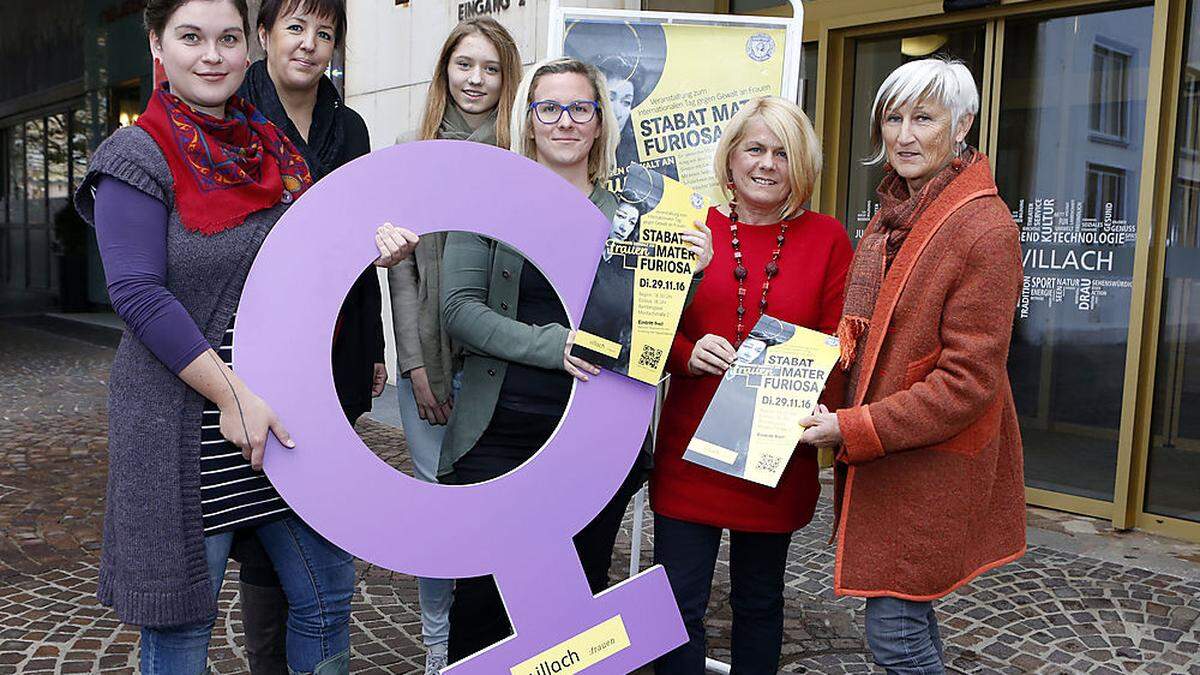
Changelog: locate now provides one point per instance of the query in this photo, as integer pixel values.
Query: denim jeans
(425, 445)
(318, 579)
(903, 636)
(688, 553)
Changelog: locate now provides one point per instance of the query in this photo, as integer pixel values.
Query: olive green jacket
(481, 279)
(421, 340)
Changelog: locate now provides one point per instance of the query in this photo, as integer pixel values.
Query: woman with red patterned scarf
(181, 203)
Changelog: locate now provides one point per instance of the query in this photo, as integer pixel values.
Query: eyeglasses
(550, 112)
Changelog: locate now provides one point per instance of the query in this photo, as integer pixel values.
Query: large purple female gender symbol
(517, 527)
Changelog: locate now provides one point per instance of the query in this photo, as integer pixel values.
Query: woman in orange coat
(930, 489)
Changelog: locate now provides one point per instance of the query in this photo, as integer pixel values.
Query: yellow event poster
(643, 277)
(752, 425)
(674, 87)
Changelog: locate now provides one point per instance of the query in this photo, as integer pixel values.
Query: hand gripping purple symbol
(517, 527)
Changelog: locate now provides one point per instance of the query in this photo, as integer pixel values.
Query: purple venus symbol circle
(517, 527)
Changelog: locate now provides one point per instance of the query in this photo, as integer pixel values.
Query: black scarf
(326, 133)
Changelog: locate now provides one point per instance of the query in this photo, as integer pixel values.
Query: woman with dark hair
(181, 202)
(290, 88)
(470, 99)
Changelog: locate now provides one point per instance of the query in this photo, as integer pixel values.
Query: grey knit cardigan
(152, 565)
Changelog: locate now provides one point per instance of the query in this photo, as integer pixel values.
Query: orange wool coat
(930, 489)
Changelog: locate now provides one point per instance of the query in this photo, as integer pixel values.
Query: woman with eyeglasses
(518, 370)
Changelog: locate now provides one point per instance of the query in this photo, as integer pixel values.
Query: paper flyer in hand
(752, 425)
(643, 277)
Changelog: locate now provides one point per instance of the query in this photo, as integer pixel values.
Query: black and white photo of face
(625, 220)
(620, 94)
(751, 350)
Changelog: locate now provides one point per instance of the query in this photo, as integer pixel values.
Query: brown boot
(264, 622)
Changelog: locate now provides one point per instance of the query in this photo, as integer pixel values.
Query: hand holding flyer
(752, 425)
(643, 277)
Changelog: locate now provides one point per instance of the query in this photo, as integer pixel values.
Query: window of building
(42, 160)
(1186, 213)
(1173, 465)
(1189, 112)
(337, 68)
(3, 178)
(15, 149)
(1105, 191)
(35, 171)
(125, 104)
(1110, 93)
(79, 146)
(58, 165)
(4, 190)
(808, 85)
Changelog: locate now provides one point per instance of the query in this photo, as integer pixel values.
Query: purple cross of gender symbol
(517, 527)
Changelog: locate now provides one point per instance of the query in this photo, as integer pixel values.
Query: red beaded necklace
(739, 270)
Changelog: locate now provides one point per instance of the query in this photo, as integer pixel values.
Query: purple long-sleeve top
(131, 229)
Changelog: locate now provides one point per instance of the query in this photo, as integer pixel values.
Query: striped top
(232, 495)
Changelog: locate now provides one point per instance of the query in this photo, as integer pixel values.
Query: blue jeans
(425, 445)
(318, 579)
(903, 636)
(688, 553)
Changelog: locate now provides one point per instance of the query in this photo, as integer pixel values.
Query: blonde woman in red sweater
(769, 159)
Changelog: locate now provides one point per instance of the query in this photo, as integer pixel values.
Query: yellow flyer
(643, 278)
(674, 87)
(752, 425)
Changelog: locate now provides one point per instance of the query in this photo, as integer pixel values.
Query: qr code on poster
(650, 357)
(768, 463)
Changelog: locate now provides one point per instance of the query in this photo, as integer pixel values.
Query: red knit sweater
(807, 291)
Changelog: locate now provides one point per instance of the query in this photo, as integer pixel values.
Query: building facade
(1090, 115)
(391, 49)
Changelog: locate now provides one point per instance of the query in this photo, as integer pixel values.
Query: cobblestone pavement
(1054, 611)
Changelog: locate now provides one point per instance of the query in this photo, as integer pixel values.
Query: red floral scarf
(224, 170)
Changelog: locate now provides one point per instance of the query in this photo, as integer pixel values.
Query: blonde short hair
(947, 81)
(788, 122)
(603, 154)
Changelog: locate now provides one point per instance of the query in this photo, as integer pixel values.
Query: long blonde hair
(510, 75)
(603, 154)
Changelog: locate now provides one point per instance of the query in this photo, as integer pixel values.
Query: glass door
(1172, 481)
(1067, 158)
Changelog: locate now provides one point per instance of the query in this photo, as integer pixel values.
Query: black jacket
(337, 135)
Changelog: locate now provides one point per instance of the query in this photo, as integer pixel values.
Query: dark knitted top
(152, 564)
